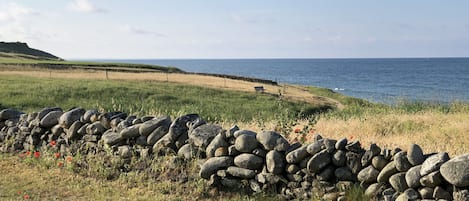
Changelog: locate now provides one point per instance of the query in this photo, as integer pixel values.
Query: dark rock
(217, 142)
(344, 174)
(353, 162)
(232, 151)
(354, 147)
(409, 194)
(149, 126)
(297, 155)
(375, 189)
(315, 147)
(292, 168)
(379, 162)
(398, 182)
(244, 132)
(412, 177)
(95, 128)
(50, 119)
(245, 143)
(426, 192)
(326, 174)
(319, 161)
(433, 163)
(387, 172)
(9, 114)
(157, 134)
(130, 132)
(241, 172)
(339, 158)
(329, 144)
(187, 151)
(367, 157)
(271, 140)
(212, 165)
(68, 118)
(180, 126)
(431, 180)
(249, 161)
(395, 151)
(293, 147)
(455, 171)
(232, 130)
(72, 132)
(368, 175)
(111, 138)
(202, 135)
(401, 161)
(441, 193)
(340, 144)
(415, 155)
(231, 183)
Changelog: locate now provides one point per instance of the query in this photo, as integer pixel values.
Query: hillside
(19, 50)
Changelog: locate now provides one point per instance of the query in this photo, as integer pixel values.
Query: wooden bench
(259, 89)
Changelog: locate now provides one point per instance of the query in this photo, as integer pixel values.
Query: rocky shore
(235, 158)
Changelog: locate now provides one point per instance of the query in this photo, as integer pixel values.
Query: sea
(388, 80)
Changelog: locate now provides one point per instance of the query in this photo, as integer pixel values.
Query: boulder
(339, 158)
(149, 126)
(157, 134)
(368, 175)
(415, 155)
(398, 182)
(238, 133)
(86, 118)
(340, 144)
(182, 124)
(245, 143)
(187, 152)
(67, 118)
(455, 171)
(9, 114)
(353, 162)
(217, 142)
(95, 128)
(375, 189)
(275, 162)
(354, 147)
(315, 147)
(344, 174)
(409, 194)
(441, 193)
(412, 177)
(319, 161)
(387, 172)
(212, 165)
(111, 138)
(426, 192)
(51, 119)
(130, 132)
(271, 140)
(379, 162)
(401, 161)
(249, 161)
(202, 135)
(329, 144)
(431, 180)
(72, 132)
(297, 155)
(433, 163)
(241, 172)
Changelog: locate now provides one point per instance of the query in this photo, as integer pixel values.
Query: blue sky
(239, 29)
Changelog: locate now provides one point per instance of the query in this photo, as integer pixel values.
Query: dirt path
(289, 92)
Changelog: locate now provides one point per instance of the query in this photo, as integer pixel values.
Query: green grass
(142, 98)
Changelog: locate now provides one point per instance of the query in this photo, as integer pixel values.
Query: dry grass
(289, 92)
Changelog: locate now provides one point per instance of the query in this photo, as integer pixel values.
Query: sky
(159, 29)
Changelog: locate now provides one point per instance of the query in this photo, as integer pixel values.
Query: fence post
(107, 77)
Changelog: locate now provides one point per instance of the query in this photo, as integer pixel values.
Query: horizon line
(271, 58)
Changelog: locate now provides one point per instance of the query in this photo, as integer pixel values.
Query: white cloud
(84, 6)
(140, 31)
(13, 13)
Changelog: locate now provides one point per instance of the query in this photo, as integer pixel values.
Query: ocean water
(442, 80)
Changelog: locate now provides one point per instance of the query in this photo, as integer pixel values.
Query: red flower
(22, 155)
(20, 192)
(312, 131)
(60, 164)
(297, 130)
(351, 137)
(28, 153)
(57, 155)
(53, 143)
(37, 154)
(26, 196)
(69, 159)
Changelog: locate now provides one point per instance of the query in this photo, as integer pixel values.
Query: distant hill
(19, 50)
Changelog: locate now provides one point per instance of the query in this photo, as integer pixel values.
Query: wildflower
(28, 153)
(20, 192)
(53, 143)
(60, 164)
(351, 137)
(312, 131)
(69, 159)
(57, 155)
(22, 155)
(26, 196)
(37, 154)
(297, 130)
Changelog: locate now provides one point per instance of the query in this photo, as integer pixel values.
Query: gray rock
(340, 144)
(245, 143)
(431, 180)
(367, 157)
(344, 174)
(212, 165)
(375, 189)
(339, 158)
(157, 134)
(315, 147)
(326, 174)
(455, 171)
(271, 140)
(398, 182)
(379, 162)
(249, 161)
(259, 152)
(72, 132)
(387, 172)
(95, 128)
(86, 118)
(297, 155)
(433, 163)
(238, 133)
(149, 126)
(41, 114)
(130, 132)
(401, 161)
(329, 144)
(111, 138)
(353, 162)
(241, 172)
(187, 152)
(409, 194)
(386, 154)
(232, 130)
(440, 193)
(180, 126)
(203, 135)
(368, 175)
(231, 183)
(319, 161)
(232, 151)
(461, 195)
(50, 119)
(292, 168)
(67, 118)
(415, 155)
(354, 147)
(412, 177)
(124, 151)
(221, 151)
(10, 114)
(217, 142)
(426, 192)
(140, 140)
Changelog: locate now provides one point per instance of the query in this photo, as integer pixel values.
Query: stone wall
(235, 158)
